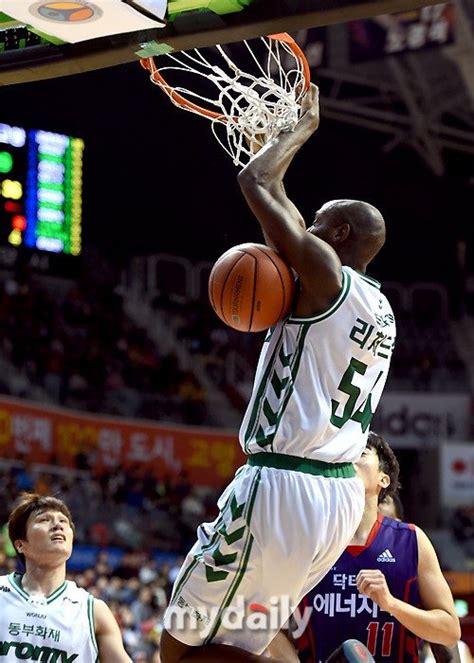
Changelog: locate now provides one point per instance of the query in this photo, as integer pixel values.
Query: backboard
(28, 55)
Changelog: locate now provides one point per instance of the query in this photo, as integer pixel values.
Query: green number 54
(364, 414)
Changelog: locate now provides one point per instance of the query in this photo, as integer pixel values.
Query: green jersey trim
(199, 557)
(15, 582)
(346, 284)
(186, 574)
(302, 333)
(244, 560)
(57, 593)
(258, 402)
(91, 620)
(17, 586)
(370, 280)
(306, 465)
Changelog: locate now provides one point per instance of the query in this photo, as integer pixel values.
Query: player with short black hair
(388, 464)
(387, 589)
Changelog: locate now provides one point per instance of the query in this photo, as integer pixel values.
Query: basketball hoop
(246, 108)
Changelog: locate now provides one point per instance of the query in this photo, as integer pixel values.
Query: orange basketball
(251, 288)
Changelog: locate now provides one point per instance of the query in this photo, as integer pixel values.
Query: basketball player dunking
(292, 509)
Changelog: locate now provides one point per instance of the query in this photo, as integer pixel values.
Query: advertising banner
(457, 474)
(59, 436)
(417, 419)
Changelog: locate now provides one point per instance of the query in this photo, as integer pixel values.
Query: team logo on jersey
(386, 556)
(66, 12)
(199, 616)
(26, 650)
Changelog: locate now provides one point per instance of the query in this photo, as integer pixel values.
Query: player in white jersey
(293, 508)
(43, 616)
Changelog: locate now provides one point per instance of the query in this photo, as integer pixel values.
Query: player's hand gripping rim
(310, 109)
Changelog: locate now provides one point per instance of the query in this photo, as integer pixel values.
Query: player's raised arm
(109, 638)
(261, 182)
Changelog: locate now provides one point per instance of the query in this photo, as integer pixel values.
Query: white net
(246, 108)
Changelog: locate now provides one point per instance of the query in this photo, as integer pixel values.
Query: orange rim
(149, 65)
(285, 37)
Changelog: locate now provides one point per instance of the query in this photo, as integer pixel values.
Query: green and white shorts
(283, 523)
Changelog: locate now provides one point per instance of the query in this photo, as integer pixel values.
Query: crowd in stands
(425, 356)
(214, 345)
(462, 525)
(83, 350)
(130, 510)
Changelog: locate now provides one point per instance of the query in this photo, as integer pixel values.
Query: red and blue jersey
(339, 612)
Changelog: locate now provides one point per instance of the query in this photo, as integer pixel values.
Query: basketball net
(246, 108)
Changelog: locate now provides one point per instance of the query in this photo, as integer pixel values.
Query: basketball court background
(396, 130)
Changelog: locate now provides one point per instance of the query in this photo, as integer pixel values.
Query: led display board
(40, 190)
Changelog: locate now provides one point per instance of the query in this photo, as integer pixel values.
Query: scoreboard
(402, 32)
(40, 190)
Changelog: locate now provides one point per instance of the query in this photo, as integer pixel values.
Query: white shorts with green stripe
(278, 533)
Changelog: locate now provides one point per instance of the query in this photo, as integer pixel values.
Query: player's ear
(341, 232)
(18, 544)
(384, 480)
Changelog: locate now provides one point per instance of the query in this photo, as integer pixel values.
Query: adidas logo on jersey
(386, 556)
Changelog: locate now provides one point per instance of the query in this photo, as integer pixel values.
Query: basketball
(251, 288)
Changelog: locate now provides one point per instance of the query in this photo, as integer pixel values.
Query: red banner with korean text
(41, 434)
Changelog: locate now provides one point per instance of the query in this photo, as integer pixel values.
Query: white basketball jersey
(57, 629)
(319, 379)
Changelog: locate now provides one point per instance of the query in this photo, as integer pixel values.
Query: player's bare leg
(282, 648)
(173, 651)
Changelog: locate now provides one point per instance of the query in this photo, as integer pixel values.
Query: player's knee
(171, 650)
